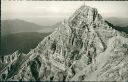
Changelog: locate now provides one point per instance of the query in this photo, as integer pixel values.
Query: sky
(50, 12)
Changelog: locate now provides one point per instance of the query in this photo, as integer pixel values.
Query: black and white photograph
(52, 40)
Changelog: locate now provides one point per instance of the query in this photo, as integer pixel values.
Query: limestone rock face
(83, 48)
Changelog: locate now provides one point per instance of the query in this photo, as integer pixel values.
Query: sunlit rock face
(83, 48)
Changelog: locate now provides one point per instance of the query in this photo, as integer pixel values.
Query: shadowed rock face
(83, 48)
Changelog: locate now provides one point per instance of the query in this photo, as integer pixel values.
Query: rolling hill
(17, 26)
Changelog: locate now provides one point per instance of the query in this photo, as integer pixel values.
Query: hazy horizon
(50, 12)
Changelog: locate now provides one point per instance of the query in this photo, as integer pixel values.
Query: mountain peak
(84, 7)
(85, 14)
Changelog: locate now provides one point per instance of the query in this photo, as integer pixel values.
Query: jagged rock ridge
(83, 48)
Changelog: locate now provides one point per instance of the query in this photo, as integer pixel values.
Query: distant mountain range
(17, 26)
(123, 22)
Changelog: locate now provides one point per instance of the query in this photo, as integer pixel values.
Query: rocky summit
(83, 48)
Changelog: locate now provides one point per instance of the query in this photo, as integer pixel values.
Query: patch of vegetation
(75, 55)
(35, 66)
(53, 46)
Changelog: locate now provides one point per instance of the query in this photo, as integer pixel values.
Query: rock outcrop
(83, 48)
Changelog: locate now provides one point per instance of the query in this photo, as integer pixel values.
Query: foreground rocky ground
(83, 48)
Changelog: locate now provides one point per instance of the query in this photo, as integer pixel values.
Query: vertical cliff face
(84, 47)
